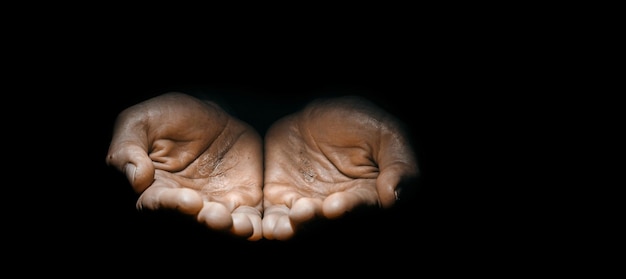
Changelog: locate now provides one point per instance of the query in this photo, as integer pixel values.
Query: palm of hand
(329, 159)
(183, 154)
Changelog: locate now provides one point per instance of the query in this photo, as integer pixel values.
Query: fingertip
(386, 187)
(242, 225)
(304, 210)
(268, 227)
(387, 197)
(256, 235)
(284, 229)
(189, 202)
(277, 224)
(139, 175)
(215, 216)
(335, 206)
(247, 223)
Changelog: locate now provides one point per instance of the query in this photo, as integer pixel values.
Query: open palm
(331, 157)
(189, 155)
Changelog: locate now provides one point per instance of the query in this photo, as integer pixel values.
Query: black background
(85, 210)
(260, 91)
(485, 90)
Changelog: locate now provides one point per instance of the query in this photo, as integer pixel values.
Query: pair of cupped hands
(335, 155)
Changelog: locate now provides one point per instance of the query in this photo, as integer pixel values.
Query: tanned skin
(182, 153)
(333, 156)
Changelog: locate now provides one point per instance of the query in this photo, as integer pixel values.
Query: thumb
(391, 180)
(386, 186)
(133, 162)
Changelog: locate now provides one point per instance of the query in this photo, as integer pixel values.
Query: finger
(305, 209)
(338, 204)
(386, 187)
(397, 164)
(276, 223)
(215, 216)
(387, 183)
(133, 161)
(247, 223)
(181, 199)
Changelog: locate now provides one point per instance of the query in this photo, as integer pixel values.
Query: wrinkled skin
(188, 155)
(332, 157)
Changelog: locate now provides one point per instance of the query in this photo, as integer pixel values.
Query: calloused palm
(333, 156)
(186, 154)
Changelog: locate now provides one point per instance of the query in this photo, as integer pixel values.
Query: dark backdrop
(92, 210)
(259, 93)
(472, 86)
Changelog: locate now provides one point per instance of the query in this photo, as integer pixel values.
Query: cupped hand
(189, 155)
(332, 157)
